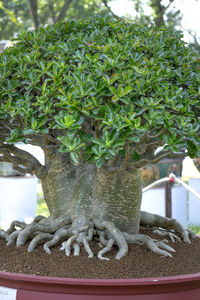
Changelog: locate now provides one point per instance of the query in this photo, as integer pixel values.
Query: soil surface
(138, 263)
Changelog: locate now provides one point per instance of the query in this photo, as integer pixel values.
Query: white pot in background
(153, 201)
(194, 202)
(18, 199)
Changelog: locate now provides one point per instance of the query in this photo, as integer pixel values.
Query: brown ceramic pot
(30, 287)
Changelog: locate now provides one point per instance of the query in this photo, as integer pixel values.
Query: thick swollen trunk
(110, 194)
(85, 202)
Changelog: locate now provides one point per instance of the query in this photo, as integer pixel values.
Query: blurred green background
(18, 15)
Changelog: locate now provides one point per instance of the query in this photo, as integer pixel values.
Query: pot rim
(91, 281)
(80, 286)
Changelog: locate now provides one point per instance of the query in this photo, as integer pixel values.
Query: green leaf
(98, 142)
(34, 124)
(119, 144)
(192, 149)
(134, 139)
(64, 140)
(115, 98)
(113, 78)
(15, 136)
(136, 156)
(27, 131)
(106, 78)
(138, 70)
(99, 163)
(127, 90)
(63, 149)
(81, 145)
(112, 152)
(74, 157)
(97, 150)
(89, 57)
(113, 90)
(124, 75)
(119, 90)
(43, 130)
(125, 100)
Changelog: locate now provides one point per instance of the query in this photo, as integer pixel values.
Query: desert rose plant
(99, 96)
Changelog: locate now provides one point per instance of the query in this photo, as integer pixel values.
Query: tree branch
(52, 12)
(169, 4)
(21, 170)
(15, 161)
(6, 127)
(178, 155)
(158, 157)
(33, 11)
(19, 157)
(64, 9)
(159, 11)
(105, 2)
(155, 136)
(17, 164)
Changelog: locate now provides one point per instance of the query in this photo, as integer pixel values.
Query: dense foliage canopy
(101, 88)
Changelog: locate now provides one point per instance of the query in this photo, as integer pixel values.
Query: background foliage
(16, 15)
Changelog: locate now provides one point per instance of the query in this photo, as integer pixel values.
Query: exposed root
(106, 249)
(37, 239)
(76, 249)
(102, 239)
(12, 237)
(76, 232)
(155, 246)
(47, 228)
(38, 219)
(87, 247)
(15, 224)
(67, 245)
(4, 234)
(191, 234)
(170, 225)
(116, 234)
(58, 236)
(83, 231)
(173, 237)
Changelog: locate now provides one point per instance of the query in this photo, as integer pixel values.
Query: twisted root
(166, 227)
(159, 247)
(74, 232)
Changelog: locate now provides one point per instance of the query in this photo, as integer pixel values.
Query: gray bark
(33, 5)
(111, 194)
(85, 202)
(64, 10)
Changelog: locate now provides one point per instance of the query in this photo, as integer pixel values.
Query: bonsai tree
(99, 96)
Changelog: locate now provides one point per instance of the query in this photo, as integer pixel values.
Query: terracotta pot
(28, 287)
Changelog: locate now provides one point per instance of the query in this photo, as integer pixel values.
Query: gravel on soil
(138, 263)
